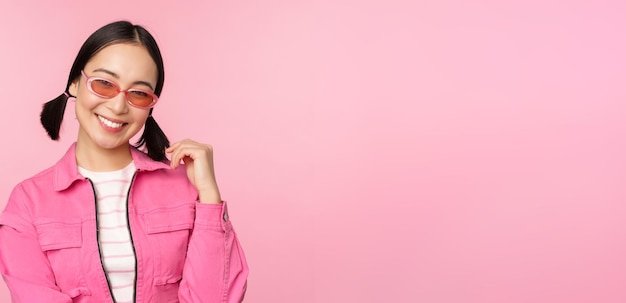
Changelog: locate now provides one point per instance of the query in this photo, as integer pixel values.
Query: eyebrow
(116, 76)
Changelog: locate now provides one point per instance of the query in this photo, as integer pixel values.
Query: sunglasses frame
(89, 80)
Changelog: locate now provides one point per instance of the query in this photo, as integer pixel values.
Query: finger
(175, 151)
(187, 160)
(173, 146)
(174, 161)
(176, 157)
(180, 143)
(188, 148)
(181, 152)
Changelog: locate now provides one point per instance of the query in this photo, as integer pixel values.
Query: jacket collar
(66, 169)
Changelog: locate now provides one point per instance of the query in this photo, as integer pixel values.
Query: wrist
(209, 196)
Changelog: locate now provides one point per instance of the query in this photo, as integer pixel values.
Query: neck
(101, 159)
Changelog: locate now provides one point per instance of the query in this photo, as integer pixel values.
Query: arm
(215, 270)
(23, 265)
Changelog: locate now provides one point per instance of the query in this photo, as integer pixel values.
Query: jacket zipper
(130, 234)
(95, 198)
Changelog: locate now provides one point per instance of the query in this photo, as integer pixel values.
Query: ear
(73, 90)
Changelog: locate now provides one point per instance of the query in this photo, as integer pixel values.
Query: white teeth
(110, 124)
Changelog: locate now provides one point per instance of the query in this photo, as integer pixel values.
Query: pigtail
(52, 115)
(154, 139)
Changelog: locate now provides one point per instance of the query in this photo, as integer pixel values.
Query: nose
(118, 104)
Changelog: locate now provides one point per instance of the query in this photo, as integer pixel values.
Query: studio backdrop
(375, 151)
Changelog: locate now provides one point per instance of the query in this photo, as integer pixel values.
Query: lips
(110, 123)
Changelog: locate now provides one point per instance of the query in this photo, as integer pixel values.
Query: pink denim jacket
(185, 251)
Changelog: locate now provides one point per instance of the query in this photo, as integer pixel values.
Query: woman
(109, 222)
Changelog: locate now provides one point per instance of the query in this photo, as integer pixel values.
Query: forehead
(131, 62)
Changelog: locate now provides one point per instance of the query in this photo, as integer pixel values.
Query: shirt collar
(66, 169)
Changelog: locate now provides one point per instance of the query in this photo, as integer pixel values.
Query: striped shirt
(116, 249)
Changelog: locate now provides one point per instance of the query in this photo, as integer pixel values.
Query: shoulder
(42, 180)
(26, 193)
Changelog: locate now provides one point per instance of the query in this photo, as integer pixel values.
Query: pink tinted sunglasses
(107, 89)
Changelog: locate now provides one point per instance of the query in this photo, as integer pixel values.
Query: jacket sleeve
(23, 265)
(215, 269)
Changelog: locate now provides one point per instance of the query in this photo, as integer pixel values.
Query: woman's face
(111, 123)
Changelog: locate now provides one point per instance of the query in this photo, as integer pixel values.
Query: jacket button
(225, 217)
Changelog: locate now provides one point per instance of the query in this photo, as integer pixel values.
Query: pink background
(376, 151)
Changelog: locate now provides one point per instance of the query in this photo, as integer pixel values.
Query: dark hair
(153, 137)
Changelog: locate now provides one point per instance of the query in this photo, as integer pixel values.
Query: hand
(198, 160)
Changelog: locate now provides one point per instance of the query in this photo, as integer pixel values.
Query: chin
(111, 144)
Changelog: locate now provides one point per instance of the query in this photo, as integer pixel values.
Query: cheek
(82, 104)
(140, 116)
(84, 99)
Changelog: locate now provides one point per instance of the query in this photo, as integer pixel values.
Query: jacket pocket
(59, 235)
(61, 242)
(169, 229)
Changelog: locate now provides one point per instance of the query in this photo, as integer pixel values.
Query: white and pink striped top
(115, 244)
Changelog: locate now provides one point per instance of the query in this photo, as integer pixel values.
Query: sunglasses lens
(107, 89)
(140, 98)
(104, 88)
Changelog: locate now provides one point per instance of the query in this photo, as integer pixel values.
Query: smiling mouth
(110, 123)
